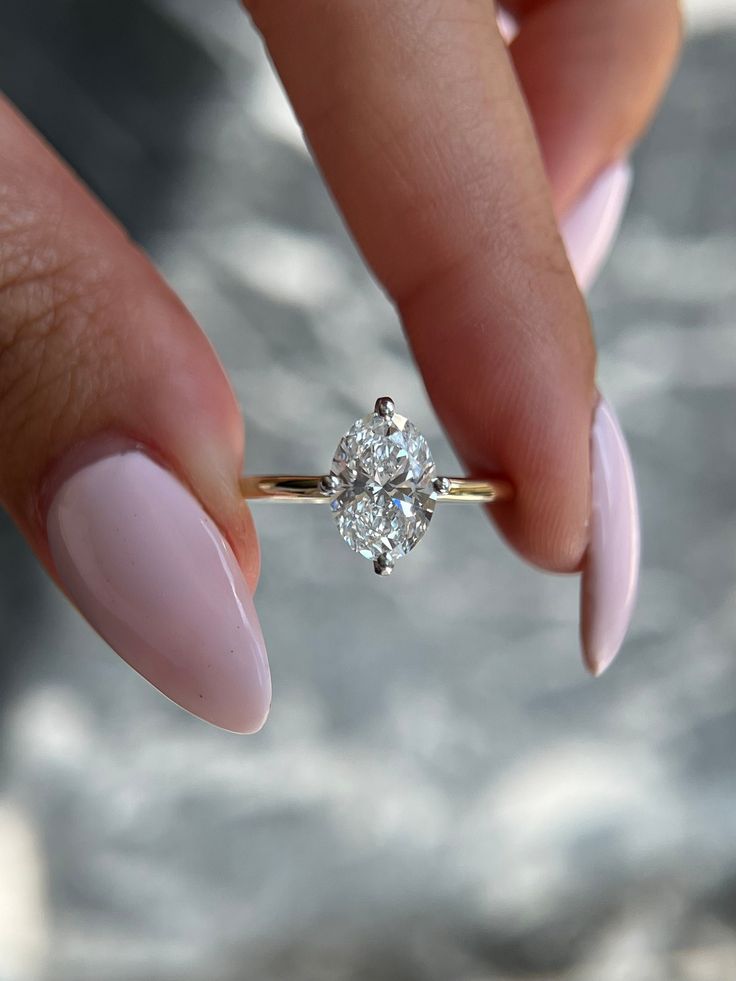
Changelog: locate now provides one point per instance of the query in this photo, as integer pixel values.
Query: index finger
(415, 116)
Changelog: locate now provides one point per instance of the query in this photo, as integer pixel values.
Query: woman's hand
(454, 160)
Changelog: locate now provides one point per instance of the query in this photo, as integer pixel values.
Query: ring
(382, 487)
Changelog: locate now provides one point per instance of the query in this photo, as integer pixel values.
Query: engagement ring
(382, 487)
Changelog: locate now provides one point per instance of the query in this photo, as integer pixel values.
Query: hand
(453, 159)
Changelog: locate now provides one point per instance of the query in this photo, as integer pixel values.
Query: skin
(451, 157)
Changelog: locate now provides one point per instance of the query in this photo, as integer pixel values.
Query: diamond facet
(387, 496)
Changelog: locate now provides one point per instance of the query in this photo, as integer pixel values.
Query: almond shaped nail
(153, 574)
(611, 573)
(590, 227)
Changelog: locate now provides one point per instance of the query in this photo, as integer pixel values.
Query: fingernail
(507, 25)
(611, 571)
(153, 574)
(589, 229)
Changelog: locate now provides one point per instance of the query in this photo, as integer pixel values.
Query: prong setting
(382, 487)
(383, 565)
(386, 497)
(385, 407)
(442, 486)
(329, 485)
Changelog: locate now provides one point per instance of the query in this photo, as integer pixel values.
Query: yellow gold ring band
(315, 489)
(382, 487)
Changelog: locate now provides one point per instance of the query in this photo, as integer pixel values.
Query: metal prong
(383, 565)
(384, 407)
(329, 485)
(442, 485)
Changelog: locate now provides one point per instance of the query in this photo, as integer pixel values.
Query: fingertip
(544, 537)
(154, 575)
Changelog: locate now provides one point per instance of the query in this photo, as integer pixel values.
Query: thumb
(121, 444)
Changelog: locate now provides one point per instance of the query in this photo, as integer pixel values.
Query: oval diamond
(386, 498)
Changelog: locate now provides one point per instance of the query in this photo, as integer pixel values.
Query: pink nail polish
(152, 573)
(589, 229)
(507, 25)
(611, 572)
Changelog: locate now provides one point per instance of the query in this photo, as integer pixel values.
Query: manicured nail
(507, 25)
(589, 229)
(611, 571)
(153, 574)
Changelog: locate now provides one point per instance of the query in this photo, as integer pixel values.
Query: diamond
(386, 494)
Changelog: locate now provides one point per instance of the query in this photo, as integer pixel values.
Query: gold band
(277, 487)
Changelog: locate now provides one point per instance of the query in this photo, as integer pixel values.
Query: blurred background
(441, 793)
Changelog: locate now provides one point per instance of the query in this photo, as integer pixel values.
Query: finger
(592, 72)
(121, 443)
(415, 116)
